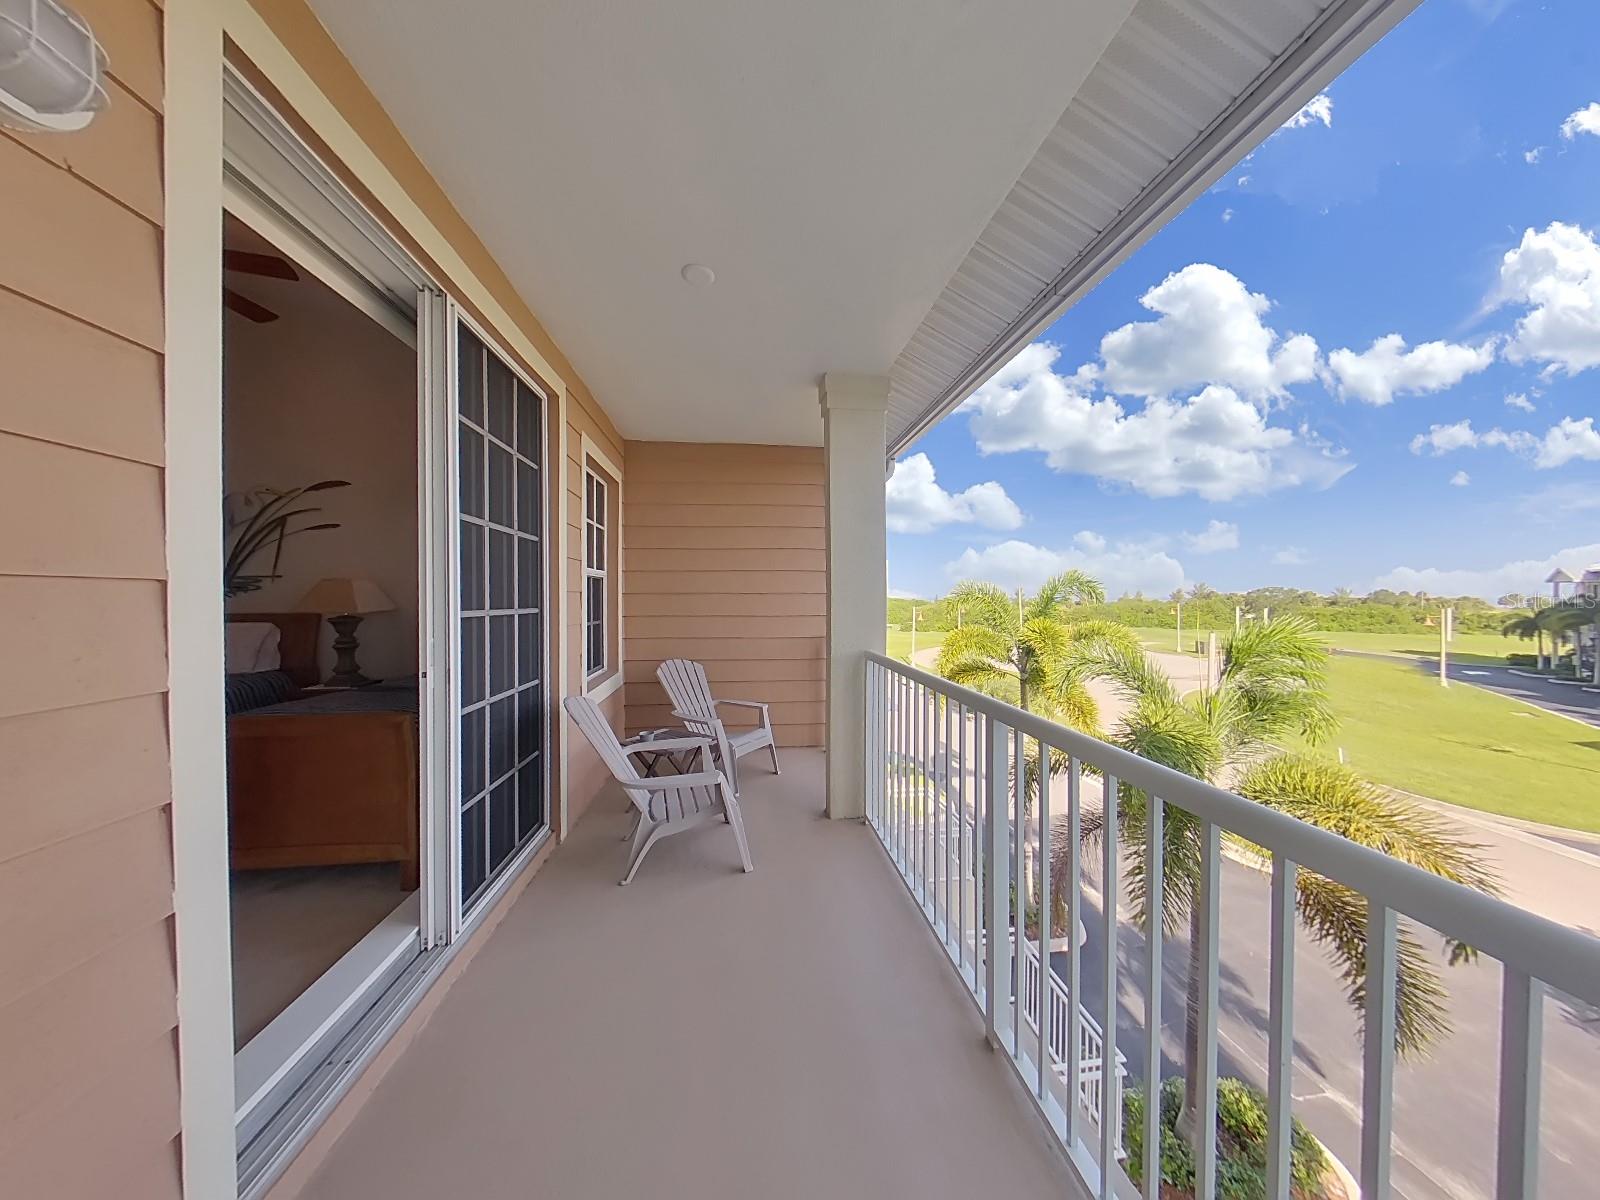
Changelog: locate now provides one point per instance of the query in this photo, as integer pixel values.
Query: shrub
(1241, 1143)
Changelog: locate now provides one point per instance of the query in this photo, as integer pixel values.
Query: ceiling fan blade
(247, 308)
(252, 263)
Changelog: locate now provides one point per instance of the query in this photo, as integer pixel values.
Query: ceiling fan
(248, 262)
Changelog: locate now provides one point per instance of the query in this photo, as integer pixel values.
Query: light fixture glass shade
(51, 68)
(345, 597)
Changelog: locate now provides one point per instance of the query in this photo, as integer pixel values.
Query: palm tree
(1273, 685)
(1525, 627)
(1566, 617)
(1033, 654)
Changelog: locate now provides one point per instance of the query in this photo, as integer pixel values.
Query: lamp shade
(340, 597)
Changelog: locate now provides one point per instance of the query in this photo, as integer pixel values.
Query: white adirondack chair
(666, 804)
(692, 703)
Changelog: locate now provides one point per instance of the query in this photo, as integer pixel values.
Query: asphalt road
(1567, 699)
(1445, 1105)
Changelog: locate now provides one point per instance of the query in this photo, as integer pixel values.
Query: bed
(319, 778)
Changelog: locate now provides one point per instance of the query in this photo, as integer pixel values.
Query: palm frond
(984, 604)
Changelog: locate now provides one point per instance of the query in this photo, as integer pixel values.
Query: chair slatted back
(688, 688)
(667, 804)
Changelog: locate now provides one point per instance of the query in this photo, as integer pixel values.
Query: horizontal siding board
(91, 390)
(713, 582)
(119, 153)
(643, 471)
(54, 1039)
(704, 454)
(122, 292)
(712, 537)
(718, 492)
(65, 511)
(701, 649)
(79, 641)
(130, 30)
(770, 515)
(644, 628)
(770, 690)
(96, 764)
(744, 604)
(731, 559)
(83, 896)
(735, 671)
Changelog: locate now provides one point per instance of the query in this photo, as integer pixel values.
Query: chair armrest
(746, 704)
(695, 718)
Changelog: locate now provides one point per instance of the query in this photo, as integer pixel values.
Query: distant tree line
(1381, 611)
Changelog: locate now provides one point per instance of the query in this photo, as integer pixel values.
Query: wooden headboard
(297, 642)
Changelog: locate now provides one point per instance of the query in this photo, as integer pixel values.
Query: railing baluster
(1280, 1029)
(945, 806)
(996, 870)
(920, 810)
(1210, 901)
(1074, 920)
(1044, 921)
(1377, 1075)
(1109, 886)
(1155, 881)
(1521, 1069)
(874, 755)
(1018, 906)
(961, 846)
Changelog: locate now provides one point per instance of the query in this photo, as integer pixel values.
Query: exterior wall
(724, 549)
(89, 1091)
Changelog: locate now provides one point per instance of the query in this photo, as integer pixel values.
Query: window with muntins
(595, 577)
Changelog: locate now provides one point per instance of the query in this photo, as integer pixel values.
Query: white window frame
(599, 684)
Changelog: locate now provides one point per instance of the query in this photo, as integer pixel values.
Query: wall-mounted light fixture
(51, 68)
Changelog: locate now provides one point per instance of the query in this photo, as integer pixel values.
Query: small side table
(679, 760)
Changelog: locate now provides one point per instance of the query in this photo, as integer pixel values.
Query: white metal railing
(941, 768)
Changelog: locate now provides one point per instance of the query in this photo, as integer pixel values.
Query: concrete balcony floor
(795, 1032)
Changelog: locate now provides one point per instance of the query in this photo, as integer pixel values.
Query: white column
(853, 449)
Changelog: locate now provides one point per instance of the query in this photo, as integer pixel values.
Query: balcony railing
(944, 796)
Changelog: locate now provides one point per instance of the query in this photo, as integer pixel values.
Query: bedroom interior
(320, 471)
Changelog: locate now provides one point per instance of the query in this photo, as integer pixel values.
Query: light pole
(914, 611)
(1446, 620)
(1178, 608)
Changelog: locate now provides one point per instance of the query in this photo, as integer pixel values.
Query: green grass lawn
(900, 642)
(1463, 745)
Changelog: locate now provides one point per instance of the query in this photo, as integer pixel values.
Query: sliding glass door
(502, 693)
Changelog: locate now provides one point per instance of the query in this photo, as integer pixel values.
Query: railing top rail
(1561, 957)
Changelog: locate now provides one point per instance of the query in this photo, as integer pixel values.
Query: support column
(853, 409)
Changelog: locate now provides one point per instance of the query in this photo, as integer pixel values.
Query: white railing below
(942, 795)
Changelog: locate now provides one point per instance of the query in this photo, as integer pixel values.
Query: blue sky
(1369, 356)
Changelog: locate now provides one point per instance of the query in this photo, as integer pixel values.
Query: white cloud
(1532, 157)
(1556, 273)
(1525, 575)
(1209, 331)
(1291, 556)
(1519, 400)
(1215, 444)
(1387, 369)
(1318, 108)
(1217, 535)
(1585, 120)
(1568, 439)
(916, 503)
(1227, 215)
(1124, 568)
(1460, 479)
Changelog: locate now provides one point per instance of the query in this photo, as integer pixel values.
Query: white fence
(943, 796)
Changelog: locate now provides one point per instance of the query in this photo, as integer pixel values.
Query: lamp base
(346, 671)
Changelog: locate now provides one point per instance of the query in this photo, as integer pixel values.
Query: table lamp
(344, 602)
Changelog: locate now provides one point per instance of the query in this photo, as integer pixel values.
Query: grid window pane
(595, 658)
(504, 722)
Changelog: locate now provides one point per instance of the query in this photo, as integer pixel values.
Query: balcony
(793, 1032)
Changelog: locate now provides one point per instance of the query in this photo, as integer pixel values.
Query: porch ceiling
(831, 161)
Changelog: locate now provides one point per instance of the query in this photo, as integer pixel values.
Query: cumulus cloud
(1460, 479)
(1291, 556)
(1217, 535)
(917, 504)
(1585, 120)
(1386, 369)
(1215, 444)
(1209, 331)
(1520, 401)
(1123, 568)
(1524, 575)
(1555, 272)
(1318, 108)
(1227, 215)
(1565, 441)
(1532, 157)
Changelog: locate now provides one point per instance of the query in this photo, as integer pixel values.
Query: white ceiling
(833, 161)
